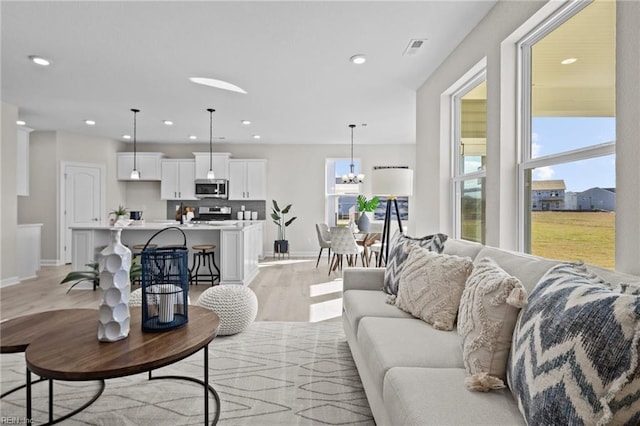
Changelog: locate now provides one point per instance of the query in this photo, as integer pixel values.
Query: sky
(552, 135)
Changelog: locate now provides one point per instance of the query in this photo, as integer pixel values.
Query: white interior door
(82, 198)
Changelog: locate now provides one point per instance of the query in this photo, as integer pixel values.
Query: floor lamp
(391, 183)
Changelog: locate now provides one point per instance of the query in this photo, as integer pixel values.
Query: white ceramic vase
(113, 316)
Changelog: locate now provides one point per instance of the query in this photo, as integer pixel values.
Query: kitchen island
(238, 244)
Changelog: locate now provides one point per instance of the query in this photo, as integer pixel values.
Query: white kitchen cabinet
(147, 163)
(28, 247)
(247, 179)
(178, 180)
(239, 254)
(219, 163)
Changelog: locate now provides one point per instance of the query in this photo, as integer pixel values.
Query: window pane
(571, 212)
(573, 83)
(473, 129)
(472, 210)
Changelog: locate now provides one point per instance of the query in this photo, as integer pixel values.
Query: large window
(469, 153)
(567, 165)
(341, 197)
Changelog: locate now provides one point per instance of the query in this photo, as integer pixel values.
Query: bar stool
(136, 251)
(204, 257)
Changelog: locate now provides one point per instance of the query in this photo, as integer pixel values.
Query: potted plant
(93, 275)
(365, 206)
(120, 213)
(281, 245)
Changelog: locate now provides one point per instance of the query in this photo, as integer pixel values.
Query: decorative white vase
(113, 314)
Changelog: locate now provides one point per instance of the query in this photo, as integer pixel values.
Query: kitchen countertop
(156, 226)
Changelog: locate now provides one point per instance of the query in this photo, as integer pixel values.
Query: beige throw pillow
(431, 285)
(487, 317)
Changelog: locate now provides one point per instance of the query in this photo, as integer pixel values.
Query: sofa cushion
(462, 248)
(436, 396)
(431, 286)
(394, 342)
(527, 268)
(364, 303)
(488, 312)
(397, 256)
(574, 358)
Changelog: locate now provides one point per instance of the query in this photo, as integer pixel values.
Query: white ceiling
(291, 57)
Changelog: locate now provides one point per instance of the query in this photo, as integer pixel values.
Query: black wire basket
(165, 285)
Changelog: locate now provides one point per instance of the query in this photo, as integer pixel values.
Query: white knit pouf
(135, 298)
(236, 305)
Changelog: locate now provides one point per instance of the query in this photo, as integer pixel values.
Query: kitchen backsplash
(236, 206)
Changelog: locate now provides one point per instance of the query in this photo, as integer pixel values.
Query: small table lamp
(391, 183)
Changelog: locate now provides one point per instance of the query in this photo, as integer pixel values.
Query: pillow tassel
(483, 382)
(518, 297)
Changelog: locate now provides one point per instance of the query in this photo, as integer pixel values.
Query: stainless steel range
(212, 214)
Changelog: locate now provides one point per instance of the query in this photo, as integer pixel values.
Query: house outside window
(340, 198)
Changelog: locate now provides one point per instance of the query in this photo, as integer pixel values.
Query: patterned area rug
(274, 373)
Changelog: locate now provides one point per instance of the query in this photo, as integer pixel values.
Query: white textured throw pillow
(486, 319)
(431, 286)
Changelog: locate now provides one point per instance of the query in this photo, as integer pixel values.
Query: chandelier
(351, 177)
(210, 173)
(135, 173)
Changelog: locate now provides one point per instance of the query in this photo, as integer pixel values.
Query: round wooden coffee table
(71, 351)
(16, 334)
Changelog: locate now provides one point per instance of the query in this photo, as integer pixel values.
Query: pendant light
(351, 177)
(135, 174)
(210, 174)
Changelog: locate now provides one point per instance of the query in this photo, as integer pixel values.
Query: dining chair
(344, 243)
(324, 239)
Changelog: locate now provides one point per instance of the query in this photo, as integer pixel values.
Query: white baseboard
(9, 281)
(51, 262)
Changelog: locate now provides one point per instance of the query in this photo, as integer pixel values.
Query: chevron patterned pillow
(398, 256)
(574, 356)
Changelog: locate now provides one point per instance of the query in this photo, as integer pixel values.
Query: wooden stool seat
(204, 256)
(204, 247)
(142, 246)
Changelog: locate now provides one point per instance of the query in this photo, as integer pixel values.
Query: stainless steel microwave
(212, 188)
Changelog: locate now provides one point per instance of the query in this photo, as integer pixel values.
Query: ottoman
(236, 305)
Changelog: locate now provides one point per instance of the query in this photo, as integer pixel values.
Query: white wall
(47, 150)
(433, 151)
(8, 185)
(295, 174)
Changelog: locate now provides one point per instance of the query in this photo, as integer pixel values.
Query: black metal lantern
(165, 286)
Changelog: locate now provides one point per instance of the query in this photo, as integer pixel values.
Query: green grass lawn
(588, 236)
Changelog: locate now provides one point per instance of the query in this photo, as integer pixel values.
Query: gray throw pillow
(575, 349)
(397, 256)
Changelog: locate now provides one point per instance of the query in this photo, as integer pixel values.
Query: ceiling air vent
(414, 47)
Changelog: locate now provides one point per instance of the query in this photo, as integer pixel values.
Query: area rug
(273, 373)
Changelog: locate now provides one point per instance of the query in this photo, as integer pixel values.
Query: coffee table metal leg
(28, 396)
(50, 400)
(204, 383)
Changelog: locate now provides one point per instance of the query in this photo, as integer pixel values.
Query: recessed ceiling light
(568, 61)
(168, 122)
(40, 60)
(126, 137)
(89, 122)
(193, 137)
(256, 136)
(21, 123)
(246, 122)
(358, 59)
(218, 84)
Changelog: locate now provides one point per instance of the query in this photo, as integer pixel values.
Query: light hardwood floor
(287, 290)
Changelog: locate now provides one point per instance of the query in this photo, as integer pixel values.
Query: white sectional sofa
(414, 374)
